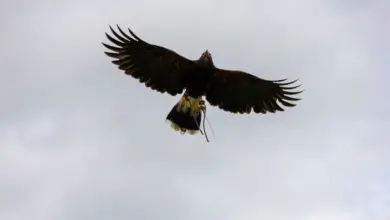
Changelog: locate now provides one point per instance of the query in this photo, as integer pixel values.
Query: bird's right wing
(159, 68)
(240, 92)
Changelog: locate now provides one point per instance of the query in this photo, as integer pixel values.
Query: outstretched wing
(240, 92)
(159, 68)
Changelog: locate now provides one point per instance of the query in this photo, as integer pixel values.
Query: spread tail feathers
(185, 116)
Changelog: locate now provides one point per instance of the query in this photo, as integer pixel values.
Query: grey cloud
(80, 140)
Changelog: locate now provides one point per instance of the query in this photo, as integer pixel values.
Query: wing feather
(159, 68)
(241, 92)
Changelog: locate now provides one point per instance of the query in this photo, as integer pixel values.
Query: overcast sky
(79, 140)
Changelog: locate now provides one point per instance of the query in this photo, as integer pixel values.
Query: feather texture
(157, 67)
(241, 92)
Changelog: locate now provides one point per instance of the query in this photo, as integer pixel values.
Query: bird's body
(164, 70)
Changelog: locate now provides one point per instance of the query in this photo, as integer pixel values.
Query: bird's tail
(185, 116)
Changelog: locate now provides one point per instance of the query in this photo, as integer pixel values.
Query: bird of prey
(164, 70)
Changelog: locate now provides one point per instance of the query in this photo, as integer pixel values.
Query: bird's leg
(187, 103)
(184, 104)
(183, 100)
(196, 106)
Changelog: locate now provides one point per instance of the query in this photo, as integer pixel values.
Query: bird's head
(206, 58)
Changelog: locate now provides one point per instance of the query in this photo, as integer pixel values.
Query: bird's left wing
(241, 92)
(159, 68)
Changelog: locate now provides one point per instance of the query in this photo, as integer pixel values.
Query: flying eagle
(164, 70)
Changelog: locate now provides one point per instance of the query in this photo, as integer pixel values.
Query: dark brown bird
(164, 70)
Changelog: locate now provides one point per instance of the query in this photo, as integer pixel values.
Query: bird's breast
(197, 82)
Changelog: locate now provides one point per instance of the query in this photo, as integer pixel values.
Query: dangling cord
(203, 109)
(212, 131)
(198, 125)
(194, 117)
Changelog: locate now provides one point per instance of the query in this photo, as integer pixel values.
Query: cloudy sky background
(80, 140)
